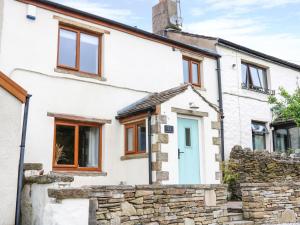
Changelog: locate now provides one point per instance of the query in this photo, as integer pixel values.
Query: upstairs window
(259, 132)
(135, 138)
(79, 50)
(254, 77)
(191, 71)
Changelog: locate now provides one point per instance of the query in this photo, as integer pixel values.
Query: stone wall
(158, 204)
(271, 203)
(262, 166)
(248, 166)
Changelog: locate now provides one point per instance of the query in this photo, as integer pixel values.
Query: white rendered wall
(132, 66)
(10, 139)
(243, 106)
(208, 164)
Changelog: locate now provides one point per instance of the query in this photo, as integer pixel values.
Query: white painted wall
(208, 164)
(242, 106)
(10, 138)
(39, 209)
(133, 67)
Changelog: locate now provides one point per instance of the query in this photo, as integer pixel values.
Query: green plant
(231, 178)
(286, 105)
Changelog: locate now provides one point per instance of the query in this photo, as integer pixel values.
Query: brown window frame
(192, 61)
(76, 167)
(78, 31)
(133, 125)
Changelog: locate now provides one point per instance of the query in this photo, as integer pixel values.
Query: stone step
(240, 222)
(235, 207)
(235, 216)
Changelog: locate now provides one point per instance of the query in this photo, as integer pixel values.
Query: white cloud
(100, 9)
(244, 4)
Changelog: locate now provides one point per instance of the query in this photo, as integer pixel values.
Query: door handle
(179, 152)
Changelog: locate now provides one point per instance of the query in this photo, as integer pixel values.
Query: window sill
(258, 90)
(199, 88)
(80, 173)
(135, 156)
(79, 74)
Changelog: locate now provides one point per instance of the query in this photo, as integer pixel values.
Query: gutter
(220, 92)
(21, 162)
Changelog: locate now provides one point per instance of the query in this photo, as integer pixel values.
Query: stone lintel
(189, 112)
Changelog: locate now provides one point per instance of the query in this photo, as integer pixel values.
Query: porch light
(193, 106)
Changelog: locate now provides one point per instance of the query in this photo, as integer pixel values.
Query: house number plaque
(169, 129)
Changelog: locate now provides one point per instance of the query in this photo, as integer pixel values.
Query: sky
(270, 26)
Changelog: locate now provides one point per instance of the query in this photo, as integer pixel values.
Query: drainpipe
(21, 162)
(150, 147)
(221, 108)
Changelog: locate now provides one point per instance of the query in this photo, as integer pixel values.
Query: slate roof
(151, 101)
(243, 48)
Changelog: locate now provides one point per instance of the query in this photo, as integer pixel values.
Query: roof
(149, 102)
(243, 48)
(72, 12)
(12, 87)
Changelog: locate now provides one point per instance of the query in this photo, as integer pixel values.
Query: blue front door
(188, 151)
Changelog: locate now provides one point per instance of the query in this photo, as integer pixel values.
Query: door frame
(201, 144)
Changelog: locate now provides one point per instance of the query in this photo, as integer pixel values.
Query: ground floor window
(287, 139)
(135, 138)
(259, 131)
(77, 146)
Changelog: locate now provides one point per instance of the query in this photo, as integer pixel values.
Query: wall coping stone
(107, 191)
(48, 179)
(276, 184)
(33, 166)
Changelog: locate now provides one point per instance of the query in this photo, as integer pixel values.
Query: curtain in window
(93, 147)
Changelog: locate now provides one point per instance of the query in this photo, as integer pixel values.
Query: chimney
(166, 15)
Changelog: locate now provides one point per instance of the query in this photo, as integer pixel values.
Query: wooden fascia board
(12, 87)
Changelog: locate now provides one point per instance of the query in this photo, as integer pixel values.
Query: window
(77, 146)
(254, 77)
(188, 137)
(135, 138)
(259, 131)
(79, 50)
(287, 138)
(191, 71)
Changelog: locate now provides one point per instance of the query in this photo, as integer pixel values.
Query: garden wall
(158, 204)
(271, 203)
(262, 166)
(248, 166)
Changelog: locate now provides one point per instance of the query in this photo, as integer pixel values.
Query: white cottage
(111, 104)
(12, 97)
(248, 77)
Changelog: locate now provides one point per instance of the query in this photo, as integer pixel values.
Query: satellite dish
(174, 20)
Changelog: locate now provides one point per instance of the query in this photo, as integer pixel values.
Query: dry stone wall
(152, 205)
(262, 166)
(271, 203)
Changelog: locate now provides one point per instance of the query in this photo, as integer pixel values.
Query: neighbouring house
(12, 97)
(248, 77)
(110, 103)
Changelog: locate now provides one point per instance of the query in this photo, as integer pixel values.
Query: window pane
(88, 155)
(186, 71)
(67, 48)
(89, 50)
(188, 137)
(64, 148)
(256, 82)
(259, 142)
(195, 70)
(294, 138)
(130, 139)
(281, 140)
(141, 137)
(244, 74)
(262, 77)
